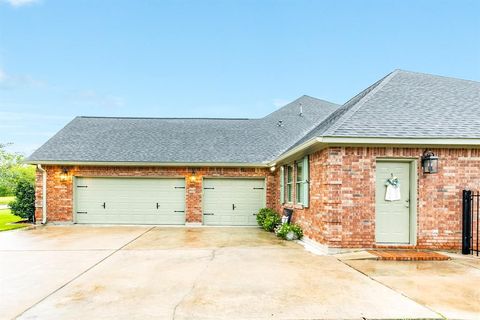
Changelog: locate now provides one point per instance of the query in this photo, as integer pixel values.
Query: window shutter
(306, 182)
(282, 185)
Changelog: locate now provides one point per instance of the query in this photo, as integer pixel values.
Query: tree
(13, 170)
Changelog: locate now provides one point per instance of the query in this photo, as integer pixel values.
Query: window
(290, 183)
(299, 183)
(295, 176)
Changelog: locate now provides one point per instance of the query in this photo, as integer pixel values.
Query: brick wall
(315, 219)
(342, 196)
(341, 211)
(60, 193)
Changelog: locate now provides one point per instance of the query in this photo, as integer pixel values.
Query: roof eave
(319, 143)
(403, 141)
(149, 164)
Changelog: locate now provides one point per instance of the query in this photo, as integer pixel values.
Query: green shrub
(262, 214)
(272, 220)
(289, 231)
(24, 203)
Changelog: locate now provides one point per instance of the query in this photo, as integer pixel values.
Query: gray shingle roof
(97, 139)
(401, 105)
(407, 104)
(410, 104)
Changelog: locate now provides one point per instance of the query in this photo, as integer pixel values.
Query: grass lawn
(6, 200)
(6, 217)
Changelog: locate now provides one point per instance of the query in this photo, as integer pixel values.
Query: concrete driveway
(86, 272)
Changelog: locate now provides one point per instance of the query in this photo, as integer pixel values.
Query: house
(331, 164)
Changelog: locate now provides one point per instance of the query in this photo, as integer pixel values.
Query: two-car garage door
(226, 201)
(130, 201)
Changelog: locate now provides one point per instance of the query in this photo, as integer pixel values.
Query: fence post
(466, 220)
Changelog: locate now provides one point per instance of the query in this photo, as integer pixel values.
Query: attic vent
(301, 110)
(280, 123)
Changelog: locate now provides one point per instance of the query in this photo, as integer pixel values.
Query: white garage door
(130, 200)
(232, 202)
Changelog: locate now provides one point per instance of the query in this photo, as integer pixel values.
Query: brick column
(38, 196)
(193, 193)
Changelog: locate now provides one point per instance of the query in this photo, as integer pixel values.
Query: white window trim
(304, 190)
(301, 183)
(290, 185)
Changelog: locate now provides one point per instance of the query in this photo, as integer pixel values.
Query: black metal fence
(470, 222)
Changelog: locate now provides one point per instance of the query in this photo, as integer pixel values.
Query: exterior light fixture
(193, 177)
(429, 162)
(64, 174)
(272, 169)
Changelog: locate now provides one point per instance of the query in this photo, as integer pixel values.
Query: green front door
(130, 201)
(232, 202)
(392, 222)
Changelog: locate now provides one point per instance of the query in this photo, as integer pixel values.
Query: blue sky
(59, 59)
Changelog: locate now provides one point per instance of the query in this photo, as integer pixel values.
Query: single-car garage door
(130, 200)
(232, 202)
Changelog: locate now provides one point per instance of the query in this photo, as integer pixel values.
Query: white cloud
(8, 80)
(9, 116)
(3, 76)
(29, 130)
(280, 102)
(20, 3)
(94, 98)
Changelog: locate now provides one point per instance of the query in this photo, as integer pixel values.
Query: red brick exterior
(341, 212)
(60, 193)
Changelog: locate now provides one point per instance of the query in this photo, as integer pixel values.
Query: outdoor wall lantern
(429, 162)
(64, 174)
(193, 177)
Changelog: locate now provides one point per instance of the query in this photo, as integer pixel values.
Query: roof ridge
(436, 75)
(351, 110)
(297, 101)
(162, 118)
(310, 130)
(323, 100)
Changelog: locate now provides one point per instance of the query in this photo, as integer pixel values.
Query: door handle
(104, 205)
(158, 205)
(233, 206)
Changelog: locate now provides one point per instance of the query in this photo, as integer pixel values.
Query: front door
(392, 204)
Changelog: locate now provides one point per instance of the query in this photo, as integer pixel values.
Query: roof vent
(280, 123)
(301, 110)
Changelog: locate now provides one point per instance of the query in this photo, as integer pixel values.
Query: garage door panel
(130, 200)
(248, 196)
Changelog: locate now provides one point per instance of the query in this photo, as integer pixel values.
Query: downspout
(44, 193)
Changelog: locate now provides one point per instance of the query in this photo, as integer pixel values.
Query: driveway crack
(194, 284)
(85, 271)
(393, 289)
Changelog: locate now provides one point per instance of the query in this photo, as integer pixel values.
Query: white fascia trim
(402, 141)
(295, 150)
(151, 164)
(332, 141)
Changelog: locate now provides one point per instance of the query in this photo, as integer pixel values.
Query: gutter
(151, 164)
(44, 193)
(321, 142)
(295, 150)
(306, 147)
